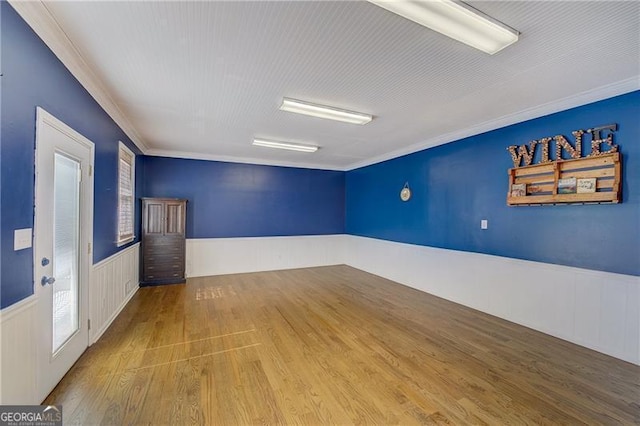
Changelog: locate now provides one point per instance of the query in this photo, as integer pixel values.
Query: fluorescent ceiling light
(285, 145)
(322, 111)
(456, 20)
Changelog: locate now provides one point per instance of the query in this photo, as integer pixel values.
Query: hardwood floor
(333, 345)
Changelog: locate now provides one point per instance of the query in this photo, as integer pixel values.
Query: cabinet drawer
(163, 267)
(163, 249)
(162, 258)
(160, 276)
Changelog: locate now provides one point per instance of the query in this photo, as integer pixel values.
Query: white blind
(125, 194)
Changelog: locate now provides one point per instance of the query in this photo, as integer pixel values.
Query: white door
(63, 233)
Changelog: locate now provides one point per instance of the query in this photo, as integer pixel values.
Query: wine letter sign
(599, 135)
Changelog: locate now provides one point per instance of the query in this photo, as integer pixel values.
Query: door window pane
(66, 238)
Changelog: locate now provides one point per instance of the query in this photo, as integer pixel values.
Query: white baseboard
(218, 256)
(114, 281)
(598, 310)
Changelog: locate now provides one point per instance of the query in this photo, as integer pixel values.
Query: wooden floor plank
(333, 345)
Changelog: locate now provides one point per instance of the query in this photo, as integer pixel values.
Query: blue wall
(245, 200)
(1, 80)
(456, 185)
(33, 76)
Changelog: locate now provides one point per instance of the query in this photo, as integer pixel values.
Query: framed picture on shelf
(586, 185)
(519, 190)
(567, 186)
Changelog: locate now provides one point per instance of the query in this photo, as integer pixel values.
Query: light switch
(484, 224)
(21, 239)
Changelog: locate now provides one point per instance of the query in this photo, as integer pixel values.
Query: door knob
(47, 280)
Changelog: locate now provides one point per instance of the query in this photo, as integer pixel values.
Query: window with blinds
(126, 182)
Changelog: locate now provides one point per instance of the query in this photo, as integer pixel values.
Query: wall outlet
(484, 224)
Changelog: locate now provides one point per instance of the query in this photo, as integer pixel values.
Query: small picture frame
(567, 186)
(519, 190)
(586, 185)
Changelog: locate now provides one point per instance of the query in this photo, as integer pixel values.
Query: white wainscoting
(598, 310)
(114, 281)
(18, 353)
(217, 256)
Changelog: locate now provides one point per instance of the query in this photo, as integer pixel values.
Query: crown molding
(241, 160)
(39, 18)
(580, 99)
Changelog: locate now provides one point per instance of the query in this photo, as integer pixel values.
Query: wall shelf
(541, 181)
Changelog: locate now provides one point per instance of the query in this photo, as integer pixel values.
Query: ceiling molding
(580, 99)
(241, 160)
(38, 14)
(584, 98)
(40, 19)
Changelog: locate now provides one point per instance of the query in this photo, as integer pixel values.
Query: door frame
(85, 263)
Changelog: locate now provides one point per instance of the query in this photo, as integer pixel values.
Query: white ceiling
(201, 79)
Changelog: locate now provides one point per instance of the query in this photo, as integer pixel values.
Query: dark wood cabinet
(163, 240)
